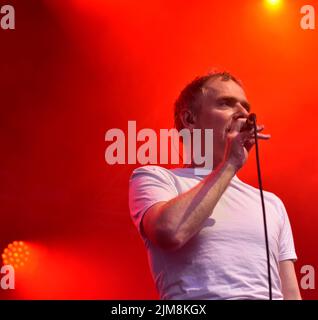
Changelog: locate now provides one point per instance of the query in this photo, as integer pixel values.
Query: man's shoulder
(151, 178)
(150, 169)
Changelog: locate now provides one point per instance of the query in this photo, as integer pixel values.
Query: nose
(240, 111)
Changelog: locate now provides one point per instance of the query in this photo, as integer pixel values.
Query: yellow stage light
(273, 4)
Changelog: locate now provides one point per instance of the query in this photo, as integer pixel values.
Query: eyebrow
(245, 104)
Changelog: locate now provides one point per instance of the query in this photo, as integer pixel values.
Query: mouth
(229, 127)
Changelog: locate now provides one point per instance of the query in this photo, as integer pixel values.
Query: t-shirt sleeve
(147, 186)
(286, 241)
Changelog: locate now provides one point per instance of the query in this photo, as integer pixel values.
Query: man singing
(204, 233)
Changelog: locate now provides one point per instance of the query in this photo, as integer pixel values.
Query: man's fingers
(237, 125)
(251, 135)
(249, 144)
(259, 128)
(246, 135)
(263, 136)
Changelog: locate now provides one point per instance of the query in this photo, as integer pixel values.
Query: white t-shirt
(227, 258)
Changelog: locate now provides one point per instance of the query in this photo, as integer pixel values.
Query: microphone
(249, 124)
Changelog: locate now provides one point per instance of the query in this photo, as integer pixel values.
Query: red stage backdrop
(71, 70)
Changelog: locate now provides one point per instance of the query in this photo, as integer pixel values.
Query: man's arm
(171, 224)
(289, 280)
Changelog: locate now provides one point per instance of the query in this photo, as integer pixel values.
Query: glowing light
(274, 4)
(16, 254)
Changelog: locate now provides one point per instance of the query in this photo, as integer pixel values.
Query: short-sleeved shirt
(227, 258)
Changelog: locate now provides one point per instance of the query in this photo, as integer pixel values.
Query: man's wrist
(230, 166)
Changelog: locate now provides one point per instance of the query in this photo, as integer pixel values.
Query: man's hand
(240, 143)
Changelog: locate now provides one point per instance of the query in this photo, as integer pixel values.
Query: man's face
(223, 104)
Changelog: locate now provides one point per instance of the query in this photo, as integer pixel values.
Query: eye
(226, 102)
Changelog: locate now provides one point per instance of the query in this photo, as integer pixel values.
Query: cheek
(214, 119)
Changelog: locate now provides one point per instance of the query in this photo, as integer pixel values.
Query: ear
(188, 119)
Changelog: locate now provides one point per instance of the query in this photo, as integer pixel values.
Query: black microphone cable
(263, 207)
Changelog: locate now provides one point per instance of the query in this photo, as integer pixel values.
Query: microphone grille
(252, 117)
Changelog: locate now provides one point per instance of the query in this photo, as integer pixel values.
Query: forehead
(216, 88)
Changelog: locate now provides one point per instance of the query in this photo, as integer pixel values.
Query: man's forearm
(184, 216)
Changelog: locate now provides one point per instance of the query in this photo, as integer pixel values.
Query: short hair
(190, 96)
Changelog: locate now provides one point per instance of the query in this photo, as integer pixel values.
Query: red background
(74, 69)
